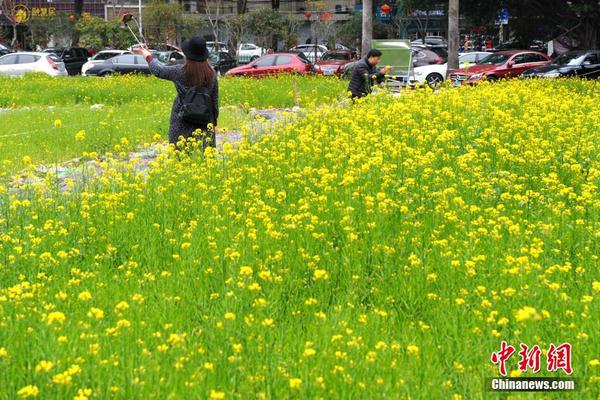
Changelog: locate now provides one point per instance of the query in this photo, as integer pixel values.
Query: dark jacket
(363, 77)
(175, 73)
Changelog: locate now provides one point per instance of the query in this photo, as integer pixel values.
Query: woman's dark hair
(198, 73)
(373, 53)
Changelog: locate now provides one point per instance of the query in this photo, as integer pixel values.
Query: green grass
(136, 108)
(278, 92)
(378, 250)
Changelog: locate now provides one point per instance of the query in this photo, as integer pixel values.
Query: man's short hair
(373, 53)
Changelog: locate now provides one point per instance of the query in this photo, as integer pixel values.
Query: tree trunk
(275, 4)
(367, 27)
(453, 34)
(78, 6)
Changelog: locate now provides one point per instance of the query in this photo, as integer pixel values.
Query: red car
(273, 64)
(504, 64)
(332, 62)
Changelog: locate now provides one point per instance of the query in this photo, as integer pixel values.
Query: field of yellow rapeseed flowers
(376, 250)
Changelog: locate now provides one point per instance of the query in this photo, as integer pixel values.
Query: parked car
(4, 50)
(434, 74)
(332, 62)
(169, 57)
(273, 64)
(248, 52)
(582, 63)
(101, 56)
(312, 51)
(434, 41)
(222, 62)
(125, 64)
(504, 64)
(15, 64)
(73, 57)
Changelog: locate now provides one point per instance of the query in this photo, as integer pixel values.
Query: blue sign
(504, 15)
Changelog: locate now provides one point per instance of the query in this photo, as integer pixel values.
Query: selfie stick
(125, 20)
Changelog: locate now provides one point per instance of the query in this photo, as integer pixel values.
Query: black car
(222, 61)
(582, 63)
(4, 50)
(73, 57)
(125, 64)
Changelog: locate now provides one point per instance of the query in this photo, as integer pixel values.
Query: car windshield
(569, 59)
(163, 57)
(336, 56)
(104, 56)
(214, 57)
(494, 59)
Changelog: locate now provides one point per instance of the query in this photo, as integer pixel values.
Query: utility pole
(367, 26)
(453, 34)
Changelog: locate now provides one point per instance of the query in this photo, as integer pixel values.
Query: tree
(367, 26)
(268, 26)
(213, 9)
(8, 9)
(161, 20)
(235, 26)
(78, 8)
(453, 33)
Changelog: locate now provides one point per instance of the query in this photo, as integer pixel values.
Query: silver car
(17, 64)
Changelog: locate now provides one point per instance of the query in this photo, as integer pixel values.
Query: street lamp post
(140, 15)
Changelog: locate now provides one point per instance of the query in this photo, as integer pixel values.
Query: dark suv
(73, 57)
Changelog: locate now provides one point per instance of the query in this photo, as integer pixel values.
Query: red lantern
(308, 14)
(386, 8)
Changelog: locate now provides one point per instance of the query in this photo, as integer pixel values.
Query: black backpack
(197, 107)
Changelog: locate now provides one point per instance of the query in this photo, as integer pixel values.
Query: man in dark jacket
(365, 74)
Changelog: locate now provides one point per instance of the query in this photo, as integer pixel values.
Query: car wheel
(434, 80)
(491, 78)
(106, 74)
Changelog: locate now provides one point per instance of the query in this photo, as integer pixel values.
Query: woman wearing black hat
(196, 71)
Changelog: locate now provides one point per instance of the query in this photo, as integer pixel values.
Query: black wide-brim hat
(195, 49)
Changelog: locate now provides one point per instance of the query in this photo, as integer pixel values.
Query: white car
(16, 64)
(248, 52)
(312, 51)
(101, 56)
(435, 74)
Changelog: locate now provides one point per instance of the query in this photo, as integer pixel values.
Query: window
(284, 60)
(591, 59)
(265, 62)
(82, 53)
(468, 58)
(247, 46)
(128, 59)
(7, 60)
(27, 58)
(139, 59)
(533, 58)
(520, 59)
(225, 56)
(176, 55)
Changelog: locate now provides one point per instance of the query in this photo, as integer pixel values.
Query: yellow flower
(295, 383)
(309, 352)
(44, 366)
(526, 313)
(413, 350)
(594, 363)
(3, 352)
(57, 123)
(320, 274)
(245, 271)
(79, 136)
(229, 316)
(95, 313)
(84, 296)
(214, 395)
(55, 317)
(28, 391)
